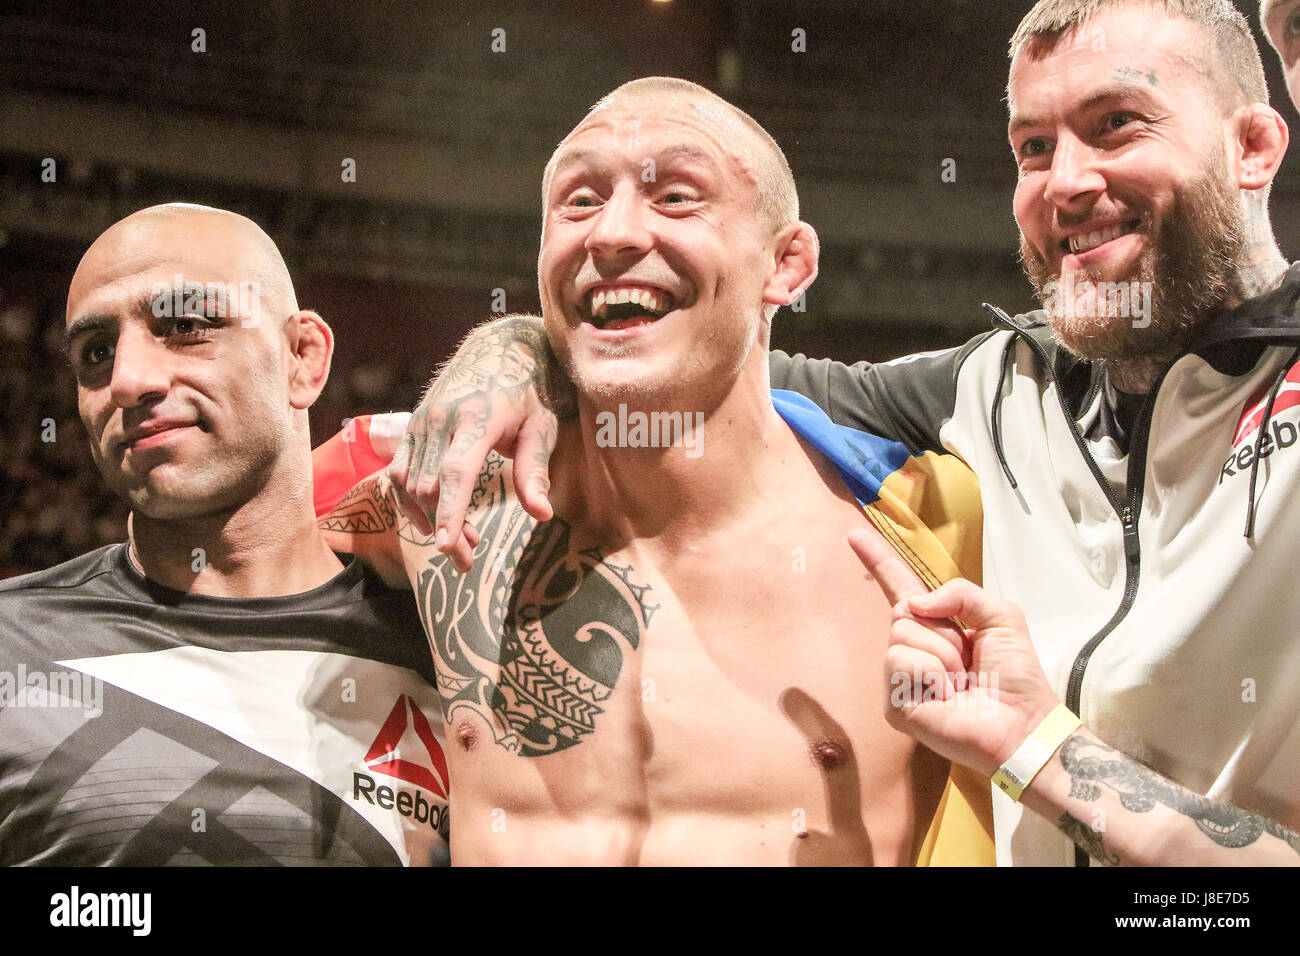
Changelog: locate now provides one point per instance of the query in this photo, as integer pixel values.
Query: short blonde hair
(776, 202)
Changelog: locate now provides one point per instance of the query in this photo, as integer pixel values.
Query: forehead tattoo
(1128, 74)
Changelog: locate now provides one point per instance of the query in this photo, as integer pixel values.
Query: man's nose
(621, 228)
(140, 369)
(1075, 179)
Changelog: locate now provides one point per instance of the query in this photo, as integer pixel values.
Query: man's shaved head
(776, 202)
(195, 367)
(228, 239)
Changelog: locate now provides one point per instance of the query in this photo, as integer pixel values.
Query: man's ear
(310, 350)
(1261, 140)
(796, 254)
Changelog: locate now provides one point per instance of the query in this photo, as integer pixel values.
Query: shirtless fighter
(682, 664)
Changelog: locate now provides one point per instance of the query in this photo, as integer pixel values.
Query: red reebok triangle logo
(1252, 416)
(382, 756)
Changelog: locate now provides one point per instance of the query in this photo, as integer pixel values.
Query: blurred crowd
(52, 504)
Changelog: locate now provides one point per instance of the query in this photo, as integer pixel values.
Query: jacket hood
(1230, 343)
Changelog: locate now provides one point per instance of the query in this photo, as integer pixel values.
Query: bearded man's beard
(1191, 265)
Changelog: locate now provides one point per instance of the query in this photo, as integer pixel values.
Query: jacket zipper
(1128, 513)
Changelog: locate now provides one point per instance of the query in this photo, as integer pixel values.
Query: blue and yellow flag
(928, 507)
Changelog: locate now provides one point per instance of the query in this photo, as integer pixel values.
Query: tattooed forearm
(365, 509)
(493, 369)
(1087, 838)
(1092, 765)
(501, 355)
(534, 638)
(508, 355)
(554, 387)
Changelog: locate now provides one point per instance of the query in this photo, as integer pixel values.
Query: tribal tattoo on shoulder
(533, 639)
(363, 510)
(1092, 764)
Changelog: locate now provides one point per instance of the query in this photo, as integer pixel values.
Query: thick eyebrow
(86, 325)
(90, 324)
(1115, 91)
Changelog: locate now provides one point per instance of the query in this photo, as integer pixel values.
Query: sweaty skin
(682, 664)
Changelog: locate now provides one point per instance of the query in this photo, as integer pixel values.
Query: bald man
(680, 666)
(222, 688)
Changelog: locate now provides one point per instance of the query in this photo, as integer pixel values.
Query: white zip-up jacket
(1158, 580)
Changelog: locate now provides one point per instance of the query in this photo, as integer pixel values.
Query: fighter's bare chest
(549, 641)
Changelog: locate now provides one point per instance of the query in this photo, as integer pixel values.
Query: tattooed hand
(501, 391)
(972, 695)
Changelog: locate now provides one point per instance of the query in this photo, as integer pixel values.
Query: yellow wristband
(1022, 766)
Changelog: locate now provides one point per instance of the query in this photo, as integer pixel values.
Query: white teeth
(649, 299)
(1094, 239)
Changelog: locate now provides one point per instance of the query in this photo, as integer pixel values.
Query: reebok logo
(1280, 435)
(406, 731)
(384, 755)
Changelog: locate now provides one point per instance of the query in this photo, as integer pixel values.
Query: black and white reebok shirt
(144, 726)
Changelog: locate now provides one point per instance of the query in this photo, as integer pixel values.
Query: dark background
(449, 140)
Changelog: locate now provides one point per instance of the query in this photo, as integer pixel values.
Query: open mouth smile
(616, 307)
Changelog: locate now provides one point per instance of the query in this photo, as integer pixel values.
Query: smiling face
(1281, 22)
(1124, 178)
(653, 259)
(187, 413)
